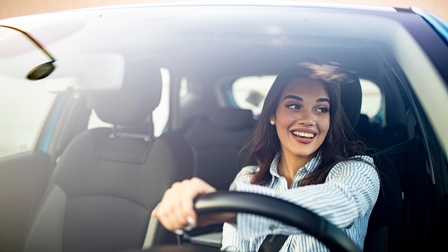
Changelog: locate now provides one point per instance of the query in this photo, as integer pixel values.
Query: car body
(210, 56)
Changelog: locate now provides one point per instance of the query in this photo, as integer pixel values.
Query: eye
(293, 106)
(322, 110)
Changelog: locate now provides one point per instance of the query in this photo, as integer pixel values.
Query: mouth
(303, 134)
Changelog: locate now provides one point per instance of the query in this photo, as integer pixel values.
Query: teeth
(303, 134)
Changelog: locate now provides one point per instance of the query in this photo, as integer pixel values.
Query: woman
(306, 153)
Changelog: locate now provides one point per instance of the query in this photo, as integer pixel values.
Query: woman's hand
(175, 211)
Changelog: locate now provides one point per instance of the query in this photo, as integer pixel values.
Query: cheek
(281, 126)
(283, 119)
(325, 126)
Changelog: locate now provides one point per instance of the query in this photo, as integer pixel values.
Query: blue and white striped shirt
(346, 199)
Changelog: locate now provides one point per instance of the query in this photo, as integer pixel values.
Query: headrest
(363, 123)
(139, 95)
(351, 99)
(232, 119)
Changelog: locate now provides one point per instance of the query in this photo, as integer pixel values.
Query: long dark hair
(341, 142)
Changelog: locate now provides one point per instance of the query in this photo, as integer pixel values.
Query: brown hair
(340, 143)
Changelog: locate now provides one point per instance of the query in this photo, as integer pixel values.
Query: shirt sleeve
(349, 193)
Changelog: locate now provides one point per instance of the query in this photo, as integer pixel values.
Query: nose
(306, 118)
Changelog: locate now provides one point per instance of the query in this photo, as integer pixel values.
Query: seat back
(216, 141)
(384, 232)
(108, 180)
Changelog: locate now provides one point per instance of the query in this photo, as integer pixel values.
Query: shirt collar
(309, 167)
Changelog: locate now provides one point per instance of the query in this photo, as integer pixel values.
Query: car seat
(383, 232)
(108, 180)
(216, 140)
(384, 229)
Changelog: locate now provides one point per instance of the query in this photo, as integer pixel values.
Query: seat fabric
(107, 182)
(385, 223)
(216, 141)
(383, 233)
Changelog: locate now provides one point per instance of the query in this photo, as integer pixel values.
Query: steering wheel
(286, 212)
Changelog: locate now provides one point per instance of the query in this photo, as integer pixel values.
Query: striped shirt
(346, 199)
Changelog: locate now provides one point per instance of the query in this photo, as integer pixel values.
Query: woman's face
(302, 117)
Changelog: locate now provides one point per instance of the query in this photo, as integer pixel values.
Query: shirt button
(272, 227)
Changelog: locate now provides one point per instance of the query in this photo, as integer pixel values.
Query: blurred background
(12, 8)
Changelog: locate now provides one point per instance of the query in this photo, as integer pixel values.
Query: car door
(34, 130)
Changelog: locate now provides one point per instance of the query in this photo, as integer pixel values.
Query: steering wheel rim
(290, 214)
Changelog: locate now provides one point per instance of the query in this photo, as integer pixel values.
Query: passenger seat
(108, 180)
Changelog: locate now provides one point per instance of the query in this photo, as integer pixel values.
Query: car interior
(96, 186)
(110, 170)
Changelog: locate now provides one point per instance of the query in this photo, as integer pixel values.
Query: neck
(289, 165)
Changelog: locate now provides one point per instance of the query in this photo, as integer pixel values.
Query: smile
(303, 134)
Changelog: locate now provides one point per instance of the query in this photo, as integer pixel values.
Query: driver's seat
(384, 229)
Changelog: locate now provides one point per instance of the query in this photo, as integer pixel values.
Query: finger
(176, 209)
(173, 210)
(187, 208)
(154, 211)
(169, 219)
(169, 212)
(200, 187)
(203, 187)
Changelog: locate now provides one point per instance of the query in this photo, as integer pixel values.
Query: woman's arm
(175, 210)
(349, 193)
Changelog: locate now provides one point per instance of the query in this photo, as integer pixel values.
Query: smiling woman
(303, 111)
(305, 153)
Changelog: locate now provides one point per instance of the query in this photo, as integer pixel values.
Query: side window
(249, 93)
(371, 98)
(160, 114)
(21, 125)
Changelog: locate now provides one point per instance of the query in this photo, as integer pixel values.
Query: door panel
(23, 180)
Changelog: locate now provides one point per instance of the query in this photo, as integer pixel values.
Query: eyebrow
(295, 97)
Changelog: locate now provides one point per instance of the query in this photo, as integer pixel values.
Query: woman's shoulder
(358, 163)
(357, 160)
(362, 158)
